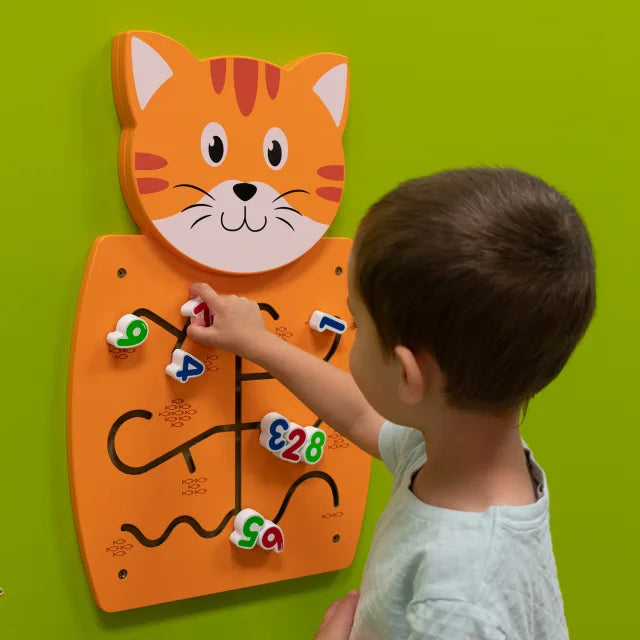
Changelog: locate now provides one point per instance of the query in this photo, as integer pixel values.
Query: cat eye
(276, 148)
(213, 144)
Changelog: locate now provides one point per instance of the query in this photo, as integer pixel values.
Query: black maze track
(205, 533)
(184, 449)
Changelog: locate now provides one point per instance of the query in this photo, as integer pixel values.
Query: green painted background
(551, 87)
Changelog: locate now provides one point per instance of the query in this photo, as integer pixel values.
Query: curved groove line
(333, 348)
(322, 475)
(190, 520)
(161, 322)
(264, 306)
(182, 337)
(182, 449)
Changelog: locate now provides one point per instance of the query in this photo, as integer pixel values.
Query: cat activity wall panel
(233, 153)
(233, 169)
(159, 469)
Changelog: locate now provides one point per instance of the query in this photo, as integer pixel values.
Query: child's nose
(245, 190)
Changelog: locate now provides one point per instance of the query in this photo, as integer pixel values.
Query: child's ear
(142, 61)
(413, 381)
(327, 75)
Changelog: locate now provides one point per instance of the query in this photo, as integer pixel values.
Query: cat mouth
(244, 223)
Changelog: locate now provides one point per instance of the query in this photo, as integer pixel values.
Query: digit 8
(314, 449)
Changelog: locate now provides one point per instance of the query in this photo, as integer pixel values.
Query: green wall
(551, 87)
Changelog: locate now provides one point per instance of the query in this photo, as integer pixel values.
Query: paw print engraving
(336, 441)
(119, 548)
(177, 413)
(120, 354)
(284, 333)
(210, 363)
(193, 486)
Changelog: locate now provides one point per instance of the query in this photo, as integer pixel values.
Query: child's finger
(204, 292)
(200, 333)
(338, 619)
(330, 611)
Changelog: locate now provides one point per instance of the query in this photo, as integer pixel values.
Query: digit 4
(184, 366)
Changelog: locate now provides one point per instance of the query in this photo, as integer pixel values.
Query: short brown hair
(489, 270)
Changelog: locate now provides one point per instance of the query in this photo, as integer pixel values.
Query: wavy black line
(191, 521)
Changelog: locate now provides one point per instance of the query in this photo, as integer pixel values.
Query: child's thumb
(204, 335)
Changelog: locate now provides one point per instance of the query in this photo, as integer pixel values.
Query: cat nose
(245, 190)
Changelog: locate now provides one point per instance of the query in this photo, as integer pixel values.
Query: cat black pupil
(216, 149)
(274, 153)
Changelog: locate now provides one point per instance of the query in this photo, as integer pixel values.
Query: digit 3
(273, 430)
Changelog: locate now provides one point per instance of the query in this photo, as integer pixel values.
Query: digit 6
(271, 537)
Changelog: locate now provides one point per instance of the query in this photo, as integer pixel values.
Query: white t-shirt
(438, 574)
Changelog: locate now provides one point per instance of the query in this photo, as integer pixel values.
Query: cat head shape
(234, 163)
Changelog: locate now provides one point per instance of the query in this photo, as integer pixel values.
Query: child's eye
(275, 148)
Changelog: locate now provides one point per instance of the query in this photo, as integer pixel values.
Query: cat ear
(142, 62)
(328, 76)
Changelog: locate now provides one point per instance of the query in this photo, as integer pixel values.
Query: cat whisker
(200, 220)
(286, 193)
(198, 204)
(288, 209)
(286, 222)
(193, 186)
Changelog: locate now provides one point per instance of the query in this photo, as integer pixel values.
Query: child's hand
(237, 322)
(338, 620)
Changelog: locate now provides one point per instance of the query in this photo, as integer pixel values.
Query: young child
(469, 289)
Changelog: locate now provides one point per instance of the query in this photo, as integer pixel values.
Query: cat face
(235, 163)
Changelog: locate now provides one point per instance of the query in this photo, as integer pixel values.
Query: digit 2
(297, 436)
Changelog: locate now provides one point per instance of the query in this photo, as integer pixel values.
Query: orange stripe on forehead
(245, 79)
(218, 73)
(272, 77)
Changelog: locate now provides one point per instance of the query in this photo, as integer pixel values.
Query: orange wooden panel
(159, 468)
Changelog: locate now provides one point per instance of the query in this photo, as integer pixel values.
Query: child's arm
(329, 392)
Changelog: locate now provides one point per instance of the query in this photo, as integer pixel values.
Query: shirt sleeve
(451, 620)
(400, 447)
